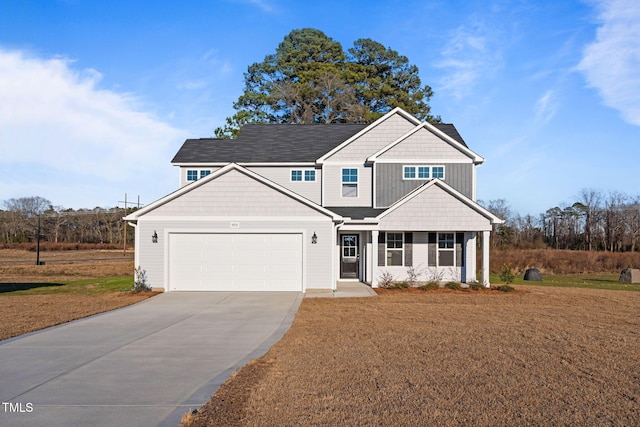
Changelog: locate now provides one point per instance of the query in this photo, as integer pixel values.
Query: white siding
(422, 146)
(374, 140)
(437, 210)
(333, 186)
(233, 193)
(282, 175)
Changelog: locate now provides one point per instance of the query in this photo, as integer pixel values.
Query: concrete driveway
(142, 365)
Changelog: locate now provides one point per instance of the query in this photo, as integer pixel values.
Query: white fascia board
(416, 161)
(391, 113)
(428, 126)
(200, 164)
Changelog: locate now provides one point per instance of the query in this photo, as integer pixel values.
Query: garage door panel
(235, 262)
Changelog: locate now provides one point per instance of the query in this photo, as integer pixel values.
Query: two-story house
(301, 207)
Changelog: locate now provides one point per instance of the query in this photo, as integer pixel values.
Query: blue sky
(97, 96)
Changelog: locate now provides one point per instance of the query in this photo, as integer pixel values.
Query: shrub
(412, 276)
(476, 286)
(386, 280)
(140, 280)
(429, 286)
(456, 286)
(435, 275)
(506, 274)
(399, 285)
(505, 288)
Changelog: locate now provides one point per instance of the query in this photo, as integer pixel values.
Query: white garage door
(235, 262)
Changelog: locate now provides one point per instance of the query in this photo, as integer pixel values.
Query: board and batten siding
(233, 193)
(374, 139)
(153, 257)
(311, 190)
(390, 185)
(434, 209)
(423, 145)
(333, 185)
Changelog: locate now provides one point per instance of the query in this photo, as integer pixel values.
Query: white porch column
(485, 257)
(374, 258)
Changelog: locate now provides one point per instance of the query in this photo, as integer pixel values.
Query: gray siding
(333, 186)
(390, 186)
(374, 140)
(282, 175)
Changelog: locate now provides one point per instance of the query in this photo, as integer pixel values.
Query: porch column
(485, 257)
(374, 258)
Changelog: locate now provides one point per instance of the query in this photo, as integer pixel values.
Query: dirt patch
(20, 314)
(549, 356)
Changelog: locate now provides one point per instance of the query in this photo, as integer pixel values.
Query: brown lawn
(20, 314)
(543, 357)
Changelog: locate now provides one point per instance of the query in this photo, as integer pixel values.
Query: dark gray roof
(357, 212)
(451, 131)
(270, 143)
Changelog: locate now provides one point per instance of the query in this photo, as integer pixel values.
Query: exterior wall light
(154, 237)
(314, 238)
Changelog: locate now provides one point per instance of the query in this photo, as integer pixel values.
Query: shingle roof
(270, 143)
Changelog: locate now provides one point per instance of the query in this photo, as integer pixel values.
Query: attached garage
(235, 262)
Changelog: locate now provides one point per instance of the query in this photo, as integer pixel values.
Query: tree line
(596, 220)
(24, 218)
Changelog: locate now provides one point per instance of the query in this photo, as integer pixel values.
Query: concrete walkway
(344, 290)
(142, 365)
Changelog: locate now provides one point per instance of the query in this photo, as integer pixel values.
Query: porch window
(349, 182)
(394, 249)
(446, 249)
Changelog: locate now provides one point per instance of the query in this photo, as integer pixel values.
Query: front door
(349, 257)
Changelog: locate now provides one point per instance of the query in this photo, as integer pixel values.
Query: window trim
(387, 249)
(193, 173)
(416, 172)
(303, 175)
(349, 183)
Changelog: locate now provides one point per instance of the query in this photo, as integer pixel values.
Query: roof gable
(441, 206)
(230, 188)
(428, 141)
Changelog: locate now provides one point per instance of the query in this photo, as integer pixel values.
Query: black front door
(349, 256)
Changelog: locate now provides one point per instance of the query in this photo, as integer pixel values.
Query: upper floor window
(422, 172)
(349, 182)
(303, 175)
(204, 173)
(192, 175)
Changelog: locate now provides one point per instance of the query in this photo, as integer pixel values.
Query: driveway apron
(142, 365)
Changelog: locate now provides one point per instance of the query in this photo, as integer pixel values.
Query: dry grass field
(54, 303)
(538, 357)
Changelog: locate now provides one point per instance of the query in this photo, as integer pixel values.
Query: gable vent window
(422, 172)
(349, 182)
(299, 175)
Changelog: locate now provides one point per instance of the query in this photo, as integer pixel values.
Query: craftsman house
(301, 207)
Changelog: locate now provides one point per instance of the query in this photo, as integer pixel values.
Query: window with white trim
(446, 249)
(204, 173)
(192, 175)
(422, 172)
(395, 251)
(349, 182)
(299, 175)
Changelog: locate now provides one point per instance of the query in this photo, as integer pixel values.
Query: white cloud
(467, 57)
(546, 107)
(611, 64)
(66, 134)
